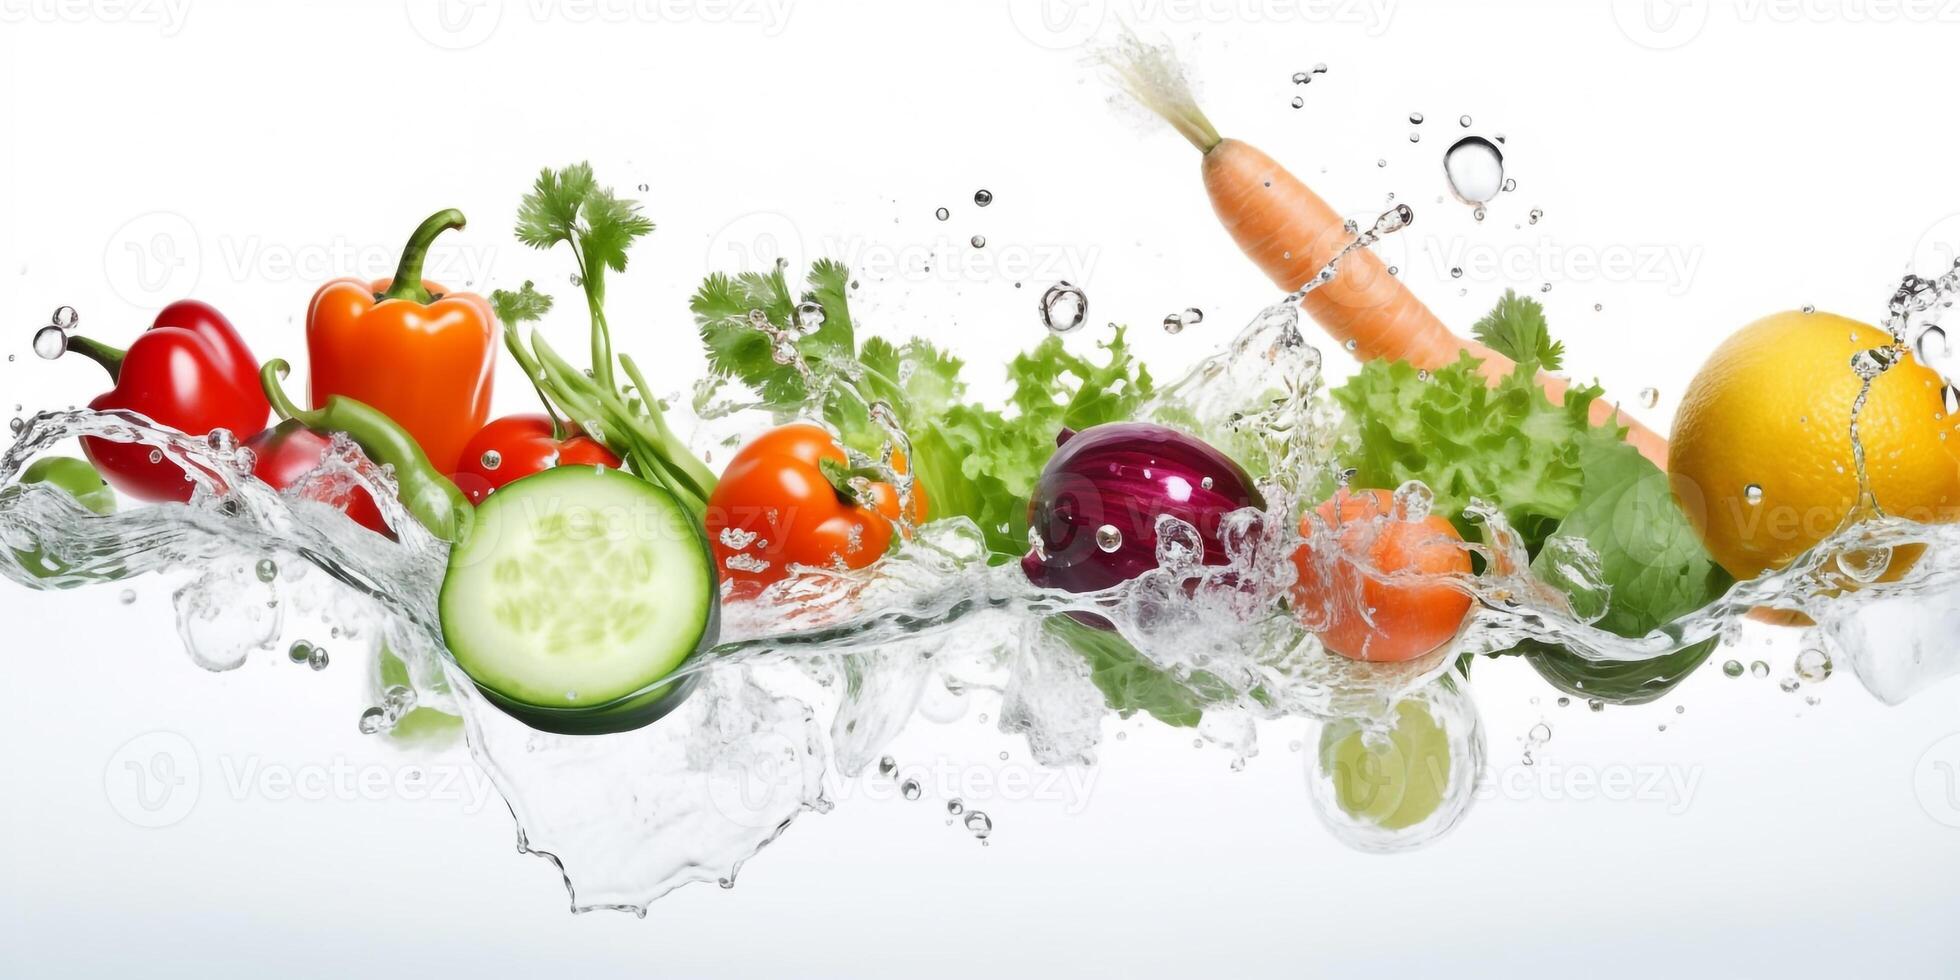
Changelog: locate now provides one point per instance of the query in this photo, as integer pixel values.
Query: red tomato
(523, 444)
(287, 452)
(1369, 618)
(776, 506)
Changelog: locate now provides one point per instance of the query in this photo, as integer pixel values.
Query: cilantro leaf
(524, 305)
(569, 206)
(1516, 328)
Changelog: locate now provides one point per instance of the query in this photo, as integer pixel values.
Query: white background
(1745, 158)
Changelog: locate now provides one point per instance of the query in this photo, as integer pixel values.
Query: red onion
(1093, 515)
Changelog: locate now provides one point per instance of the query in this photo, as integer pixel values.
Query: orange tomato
(1372, 617)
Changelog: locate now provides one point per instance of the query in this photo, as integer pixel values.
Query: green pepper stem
(407, 283)
(111, 358)
(282, 406)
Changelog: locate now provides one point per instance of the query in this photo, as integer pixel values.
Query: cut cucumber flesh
(578, 591)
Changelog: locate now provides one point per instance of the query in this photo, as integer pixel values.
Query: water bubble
(1475, 169)
(1298, 102)
(1540, 733)
(1753, 493)
(1598, 306)
(16, 425)
(1463, 121)
(1596, 704)
(887, 766)
(1413, 501)
(807, 317)
(1536, 213)
(1788, 685)
(1108, 538)
(954, 806)
(317, 658)
(1415, 137)
(126, 597)
(983, 197)
(1320, 68)
(491, 459)
(1809, 308)
(1758, 669)
(1456, 272)
(942, 214)
(156, 455)
(1301, 78)
(65, 318)
(1649, 397)
(782, 352)
(978, 241)
(1732, 668)
(979, 824)
(267, 570)
(1415, 118)
(1381, 161)
(1064, 307)
(372, 721)
(1564, 702)
(909, 789)
(50, 342)
(1813, 665)
(1176, 322)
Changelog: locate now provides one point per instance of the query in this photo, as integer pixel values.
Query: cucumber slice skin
(631, 711)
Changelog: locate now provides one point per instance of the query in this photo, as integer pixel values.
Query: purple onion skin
(1126, 474)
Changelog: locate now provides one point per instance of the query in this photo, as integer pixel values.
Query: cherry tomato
(287, 452)
(1362, 616)
(776, 506)
(522, 445)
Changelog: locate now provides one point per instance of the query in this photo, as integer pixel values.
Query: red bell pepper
(190, 371)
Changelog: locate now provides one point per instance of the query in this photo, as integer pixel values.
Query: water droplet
(1649, 397)
(983, 197)
(1808, 308)
(267, 570)
(1415, 118)
(887, 766)
(1320, 68)
(372, 721)
(1732, 668)
(491, 459)
(1301, 78)
(1788, 685)
(1381, 161)
(1064, 307)
(1463, 121)
(50, 342)
(1758, 669)
(979, 824)
(1536, 213)
(807, 318)
(1596, 704)
(1456, 272)
(1205, 483)
(1540, 733)
(1298, 102)
(909, 789)
(1753, 493)
(942, 214)
(1108, 538)
(1475, 169)
(954, 806)
(156, 455)
(1598, 306)
(1546, 288)
(1563, 702)
(317, 658)
(16, 425)
(127, 597)
(1413, 501)
(65, 318)
(978, 241)
(1351, 346)
(1813, 665)
(1415, 137)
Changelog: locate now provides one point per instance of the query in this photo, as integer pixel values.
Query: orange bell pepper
(420, 354)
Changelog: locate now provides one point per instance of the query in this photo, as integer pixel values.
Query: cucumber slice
(578, 591)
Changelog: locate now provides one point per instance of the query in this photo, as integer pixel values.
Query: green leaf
(1516, 328)
(1655, 563)
(569, 206)
(524, 305)
(1129, 682)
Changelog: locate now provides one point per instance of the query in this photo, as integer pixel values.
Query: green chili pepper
(79, 480)
(428, 495)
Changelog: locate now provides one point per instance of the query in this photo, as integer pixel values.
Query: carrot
(1284, 227)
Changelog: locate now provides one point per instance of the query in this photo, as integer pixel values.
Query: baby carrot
(1290, 233)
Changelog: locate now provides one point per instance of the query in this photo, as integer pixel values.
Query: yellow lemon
(1761, 458)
